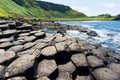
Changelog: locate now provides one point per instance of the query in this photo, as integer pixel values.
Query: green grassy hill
(36, 9)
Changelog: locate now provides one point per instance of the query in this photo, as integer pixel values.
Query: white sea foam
(109, 35)
(75, 33)
(91, 21)
(117, 39)
(87, 26)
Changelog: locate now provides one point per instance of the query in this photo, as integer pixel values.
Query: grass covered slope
(59, 11)
(9, 8)
(37, 9)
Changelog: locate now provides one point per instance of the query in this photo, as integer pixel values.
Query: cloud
(84, 9)
(81, 9)
(110, 5)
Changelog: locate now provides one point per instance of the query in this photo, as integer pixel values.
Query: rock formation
(27, 52)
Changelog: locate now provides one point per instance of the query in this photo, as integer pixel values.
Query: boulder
(57, 35)
(40, 34)
(5, 45)
(105, 49)
(39, 45)
(88, 47)
(74, 47)
(1, 71)
(46, 67)
(29, 51)
(33, 32)
(48, 35)
(3, 22)
(51, 43)
(9, 32)
(12, 25)
(24, 34)
(117, 56)
(61, 46)
(48, 39)
(115, 67)
(2, 50)
(6, 56)
(17, 48)
(6, 40)
(21, 38)
(64, 76)
(92, 33)
(43, 78)
(25, 27)
(34, 52)
(83, 29)
(1, 34)
(99, 53)
(17, 78)
(60, 38)
(29, 38)
(83, 78)
(61, 31)
(94, 61)
(4, 27)
(105, 74)
(49, 51)
(97, 45)
(18, 23)
(18, 42)
(28, 45)
(68, 67)
(20, 65)
(103, 52)
(79, 60)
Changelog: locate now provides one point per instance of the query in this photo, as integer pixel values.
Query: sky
(92, 7)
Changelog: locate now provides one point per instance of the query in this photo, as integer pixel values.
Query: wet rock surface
(27, 52)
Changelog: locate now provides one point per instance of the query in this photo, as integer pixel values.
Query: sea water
(108, 31)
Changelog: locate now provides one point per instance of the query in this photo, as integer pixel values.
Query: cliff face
(39, 9)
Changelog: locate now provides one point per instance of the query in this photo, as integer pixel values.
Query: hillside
(117, 17)
(38, 9)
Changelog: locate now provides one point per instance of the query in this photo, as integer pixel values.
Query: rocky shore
(27, 52)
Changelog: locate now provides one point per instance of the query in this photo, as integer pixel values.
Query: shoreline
(27, 52)
(100, 32)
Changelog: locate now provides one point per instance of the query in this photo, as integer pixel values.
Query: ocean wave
(91, 21)
(88, 26)
(108, 31)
